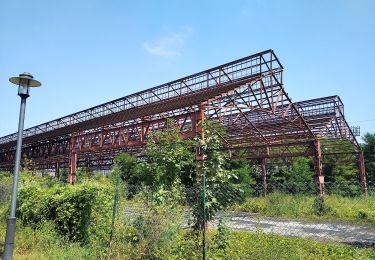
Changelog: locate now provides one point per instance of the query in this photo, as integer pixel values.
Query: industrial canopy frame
(245, 96)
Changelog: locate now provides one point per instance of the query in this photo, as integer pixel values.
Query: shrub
(71, 208)
(151, 233)
(221, 238)
(320, 208)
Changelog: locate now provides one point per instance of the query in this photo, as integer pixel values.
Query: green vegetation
(244, 245)
(79, 213)
(45, 243)
(161, 189)
(358, 209)
(369, 153)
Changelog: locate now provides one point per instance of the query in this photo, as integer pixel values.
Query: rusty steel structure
(246, 97)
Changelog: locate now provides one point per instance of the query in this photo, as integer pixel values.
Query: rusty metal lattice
(246, 96)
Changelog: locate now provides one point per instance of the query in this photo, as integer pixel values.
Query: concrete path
(317, 230)
(345, 232)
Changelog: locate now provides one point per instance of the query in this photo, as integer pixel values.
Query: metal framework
(246, 96)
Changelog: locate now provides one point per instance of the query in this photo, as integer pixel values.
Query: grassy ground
(45, 244)
(159, 235)
(245, 245)
(358, 209)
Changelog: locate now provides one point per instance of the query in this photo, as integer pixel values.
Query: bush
(71, 208)
(151, 233)
(319, 207)
(221, 238)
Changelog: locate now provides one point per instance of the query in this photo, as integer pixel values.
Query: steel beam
(318, 167)
(264, 177)
(72, 178)
(362, 172)
(246, 97)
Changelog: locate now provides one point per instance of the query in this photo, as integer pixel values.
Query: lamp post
(24, 82)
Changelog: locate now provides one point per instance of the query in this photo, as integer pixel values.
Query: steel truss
(245, 96)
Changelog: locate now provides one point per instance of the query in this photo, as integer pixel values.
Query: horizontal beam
(145, 101)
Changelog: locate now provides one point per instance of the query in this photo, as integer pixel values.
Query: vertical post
(72, 178)
(204, 217)
(264, 177)
(57, 170)
(362, 172)
(11, 224)
(199, 120)
(318, 167)
(201, 183)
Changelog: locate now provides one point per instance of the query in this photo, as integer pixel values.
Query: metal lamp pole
(24, 82)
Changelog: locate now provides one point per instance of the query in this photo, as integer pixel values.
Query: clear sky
(86, 52)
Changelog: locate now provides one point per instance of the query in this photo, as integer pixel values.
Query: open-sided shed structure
(246, 96)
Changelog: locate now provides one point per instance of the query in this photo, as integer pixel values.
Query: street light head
(25, 79)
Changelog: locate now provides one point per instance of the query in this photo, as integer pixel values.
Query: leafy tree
(220, 191)
(292, 175)
(300, 176)
(63, 175)
(169, 162)
(241, 168)
(168, 158)
(126, 168)
(369, 154)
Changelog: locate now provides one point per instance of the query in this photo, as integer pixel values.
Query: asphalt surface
(345, 232)
(332, 231)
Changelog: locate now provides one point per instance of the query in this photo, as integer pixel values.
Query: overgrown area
(159, 205)
(359, 209)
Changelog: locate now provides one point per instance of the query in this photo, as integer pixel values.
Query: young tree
(167, 158)
(220, 189)
(126, 168)
(369, 154)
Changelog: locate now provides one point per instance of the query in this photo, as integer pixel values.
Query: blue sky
(86, 52)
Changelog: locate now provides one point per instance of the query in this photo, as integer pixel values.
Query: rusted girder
(246, 97)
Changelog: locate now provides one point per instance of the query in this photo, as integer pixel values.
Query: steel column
(318, 167)
(200, 175)
(57, 170)
(199, 120)
(362, 172)
(72, 178)
(264, 177)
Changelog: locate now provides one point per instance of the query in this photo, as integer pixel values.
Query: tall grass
(246, 245)
(157, 231)
(45, 243)
(360, 209)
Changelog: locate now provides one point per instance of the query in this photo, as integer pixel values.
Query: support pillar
(318, 167)
(264, 177)
(72, 178)
(198, 130)
(57, 170)
(200, 175)
(362, 173)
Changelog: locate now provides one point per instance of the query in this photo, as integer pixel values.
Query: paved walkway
(345, 232)
(318, 230)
